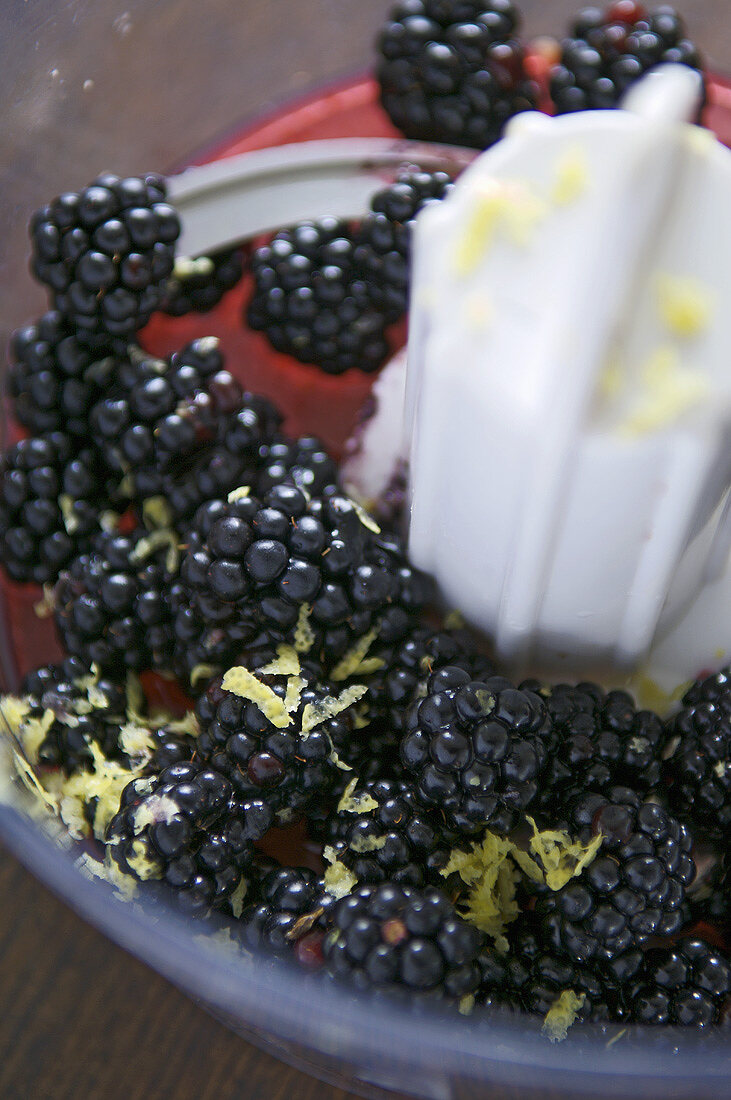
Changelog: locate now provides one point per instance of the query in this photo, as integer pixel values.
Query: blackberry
(698, 771)
(609, 50)
(710, 901)
(106, 253)
(239, 455)
(84, 706)
(381, 834)
(532, 976)
(311, 301)
(391, 936)
(52, 494)
(111, 603)
(277, 742)
(290, 915)
(452, 70)
(383, 252)
(186, 827)
(688, 984)
(261, 564)
(54, 379)
(634, 888)
(601, 740)
(160, 412)
(202, 646)
(476, 749)
(303, 462)
(197, 285)
(373, 756)
(408, 666)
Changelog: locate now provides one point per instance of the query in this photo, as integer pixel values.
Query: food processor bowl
(93, 85)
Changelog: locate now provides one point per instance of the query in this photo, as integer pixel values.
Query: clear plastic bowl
(131, 90)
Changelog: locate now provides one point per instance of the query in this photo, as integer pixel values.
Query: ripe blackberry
(54, 379)
(303, 462)
(408, 666)
(106, 253)
(688, 984)
(237, 456)
(160, 412)
(186, 827)
(276, 744)
(381, 834)
(699, 768)
(202, 646)
(197, 285)
(396, 937)
(476, 749)
(51, 497)
(532, 976)
(311, 301)
(373, 756)
(84, 707)
(111, 603)
(290, 915)
(601, 740)
(383, 252)
(259, 563)
(633, 889)
(452, 70)
(608, 50)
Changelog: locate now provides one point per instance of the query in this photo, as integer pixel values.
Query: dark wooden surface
(78, 1017)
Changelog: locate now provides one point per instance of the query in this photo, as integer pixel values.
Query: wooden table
(78, 1017)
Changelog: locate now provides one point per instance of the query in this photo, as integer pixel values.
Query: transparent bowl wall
(92, 85)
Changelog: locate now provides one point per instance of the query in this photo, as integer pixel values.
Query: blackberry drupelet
(158, 413)
(112, 604)
(277, 743)
(290, 915)
(634, 888)
(391, 936)
(85, 707)
(601, 740)
(698, 771)
(387, 836)
(452, 70)
(609, 50)
(383, 251)
(52, 494)
(258, 564)
(476, 750)
(688, 984)
(54, 379)
(303, 462)
(186, 827)
(311, 301)
(106, 253)
(197, 285)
